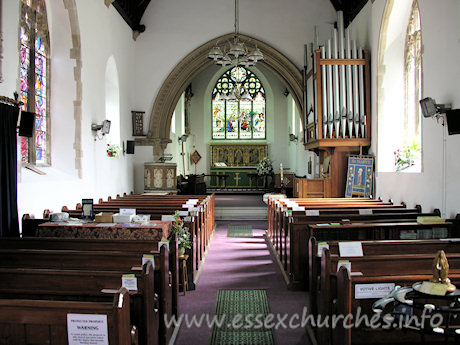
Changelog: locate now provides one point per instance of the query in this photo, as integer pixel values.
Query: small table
(183, 264)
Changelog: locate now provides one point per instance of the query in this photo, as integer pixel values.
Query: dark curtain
(9, 222)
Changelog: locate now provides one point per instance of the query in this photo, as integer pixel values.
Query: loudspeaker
(453, 121)
(130, 146)
(27, 124)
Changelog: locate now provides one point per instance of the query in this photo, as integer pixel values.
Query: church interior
(280, 166)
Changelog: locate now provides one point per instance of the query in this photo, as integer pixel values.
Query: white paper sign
(147, 258)
(167, 217)
(127, 211)
(192, 201)
(350, 249)
(365, 211)
(298, 208)
(312, 212)
(129, 281)
(187, 206)
(345, 263)
(322, 245)
(183, 213)
(84, 329)
(188, 219)
(380, 290)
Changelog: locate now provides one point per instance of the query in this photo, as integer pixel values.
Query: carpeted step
(240, 213)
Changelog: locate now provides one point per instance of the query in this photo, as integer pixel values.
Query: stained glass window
(239, 117)
(34, 75)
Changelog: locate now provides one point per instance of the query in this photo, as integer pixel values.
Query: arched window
(34, 78)
(399, 83)
(413, 77)
(238, 106)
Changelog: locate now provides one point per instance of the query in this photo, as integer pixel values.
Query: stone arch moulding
(196, 62)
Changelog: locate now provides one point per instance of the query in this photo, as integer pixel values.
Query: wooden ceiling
(350, 8)
(133, 10)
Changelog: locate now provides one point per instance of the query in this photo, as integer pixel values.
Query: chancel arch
(196, 62)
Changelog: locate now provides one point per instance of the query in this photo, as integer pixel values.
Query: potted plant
(182, 233)
(113, 150)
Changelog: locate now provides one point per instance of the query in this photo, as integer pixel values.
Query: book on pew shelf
(345, 221)
(430, 220)
(344, 263)
(322, 245)
(147, 258)
(350, 249)
(129, 281)
(323, 224)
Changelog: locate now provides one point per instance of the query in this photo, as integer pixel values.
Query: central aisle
(241, 263)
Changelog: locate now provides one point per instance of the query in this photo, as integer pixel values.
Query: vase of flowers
(182, 233)
(265, 167)
(406, 156)
(113, 150)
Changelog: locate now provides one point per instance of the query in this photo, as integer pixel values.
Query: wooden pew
(396, 269)
(45, 321)
(117, 261)
(299, 234)
(397, 247)
(84, 285)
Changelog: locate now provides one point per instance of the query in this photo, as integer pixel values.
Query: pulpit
(160, 177)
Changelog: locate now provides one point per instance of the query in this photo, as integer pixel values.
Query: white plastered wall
(437, 186)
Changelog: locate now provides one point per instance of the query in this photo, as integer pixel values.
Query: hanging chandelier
(237, 50)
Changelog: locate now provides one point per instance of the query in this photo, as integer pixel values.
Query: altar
(234, 165)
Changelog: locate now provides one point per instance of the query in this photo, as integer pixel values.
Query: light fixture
(104, 127)
(183, 138)
(238, 93)
(292, 137)
(237, 50)
(430, 108)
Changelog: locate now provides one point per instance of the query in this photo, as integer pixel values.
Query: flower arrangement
(265, 167)
(406, 156)
(182, 233)
(113, 150)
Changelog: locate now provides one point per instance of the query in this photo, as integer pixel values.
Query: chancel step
(241, 213)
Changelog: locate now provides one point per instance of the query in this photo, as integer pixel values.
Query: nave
(241, 263)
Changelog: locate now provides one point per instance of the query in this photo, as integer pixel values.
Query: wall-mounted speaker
(27, 124)
(130, 144)
(453, 121)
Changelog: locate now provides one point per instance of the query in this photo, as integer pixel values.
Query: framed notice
(138, 123)
(360, 177)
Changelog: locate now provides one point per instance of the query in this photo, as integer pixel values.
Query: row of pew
(45, 279)
(398, 249)
(198, 217)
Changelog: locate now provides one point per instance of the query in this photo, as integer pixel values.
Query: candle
(281, 172)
